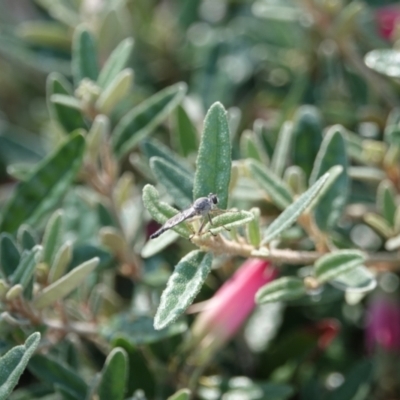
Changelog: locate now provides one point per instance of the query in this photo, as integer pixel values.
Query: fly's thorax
(202, 205)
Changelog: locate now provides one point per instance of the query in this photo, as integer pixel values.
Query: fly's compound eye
(214, 199)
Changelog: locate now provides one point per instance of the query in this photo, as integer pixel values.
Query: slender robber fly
(203, 206)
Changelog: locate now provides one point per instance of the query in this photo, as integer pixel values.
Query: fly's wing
(175, 220)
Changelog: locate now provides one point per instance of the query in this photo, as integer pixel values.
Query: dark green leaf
(184, 132)
(26, 267)
(9, 254)
(50, 370)
(386, 201)
(334, 264)
(142, 120)
(26, 237)
(113, 376)
(294, 210)
(332, 152)
(282, 289)
(177, 182)
(276, 189)
(307, 137)
(213, 165)
(69, 118)
(13, 363)
(84, 56)
(45, 187)
(183, 286)
(115, 63)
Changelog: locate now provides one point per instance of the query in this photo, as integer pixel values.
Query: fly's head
(213, 199)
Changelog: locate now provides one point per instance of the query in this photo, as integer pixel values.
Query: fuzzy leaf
(276, 189)
(113, 376)
(332, 153)
(115, 63)
(69, 118)
(142, 120)
(293, 211)
(282, 289)
(332, 265)
(45, 187)
(161, 211)
(176, 181)
(65, 285)
(359, 280)
(185, 135)
(14, 362)
(280, 158)
(84, 56)
(183, 286)
(213, 164)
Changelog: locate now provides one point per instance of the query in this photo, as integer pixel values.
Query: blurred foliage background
(263, 60)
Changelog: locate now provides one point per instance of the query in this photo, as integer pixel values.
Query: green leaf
(161, 211)
(115, 63)
(334, 264)
(184, 132)
(52, 237)
(183, 286)
(359, 280)
(379, 224)
(251, 147)
(61, 261)
(69, 118)
(9, 254)
(253, 228)
(332, 152)
(154, 246)
(84, 56)
(307, 137)
(26, 267)
(386, 201)
(282, 289)
(66, 100)
(228, 220)
(182, 394)
(48, 369)
(177, 182)
(65, 285)
(213, 164)
(154, 148)
(139, 330)
(26, 237)
(143, 119)
(385, 61)
(13, 363)
(113, 376)
(293, 211)
(45, 187)
(276, 189)
(280, 158)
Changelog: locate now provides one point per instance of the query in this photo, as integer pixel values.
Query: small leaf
(26, 237)
(386, 201)
(183, 286)
(280, 158)
(52, 237)
(13, 363)
(48, 369)
(228, 220)
(253, 228)
(84, 56)
(251, 147)
(66, 100)
(334, 264)
(182, 394)
(161, 211)
(26, 267)
(113, 376)
(213, 164)
(45, 187)
(177, 182)
(116, 91)
(69, 118)
(275, 187)
(357, 280)
(379, 224)
(332, 152)
(61, 261)
(143, 119)
(9, 254)
(293, 211)
(65, 285)
(295, 178)
(282, 289)
(184, 132)
(115, 63)
(385, 61)
(307, 137)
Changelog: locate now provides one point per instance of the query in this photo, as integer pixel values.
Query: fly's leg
(210, 220)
